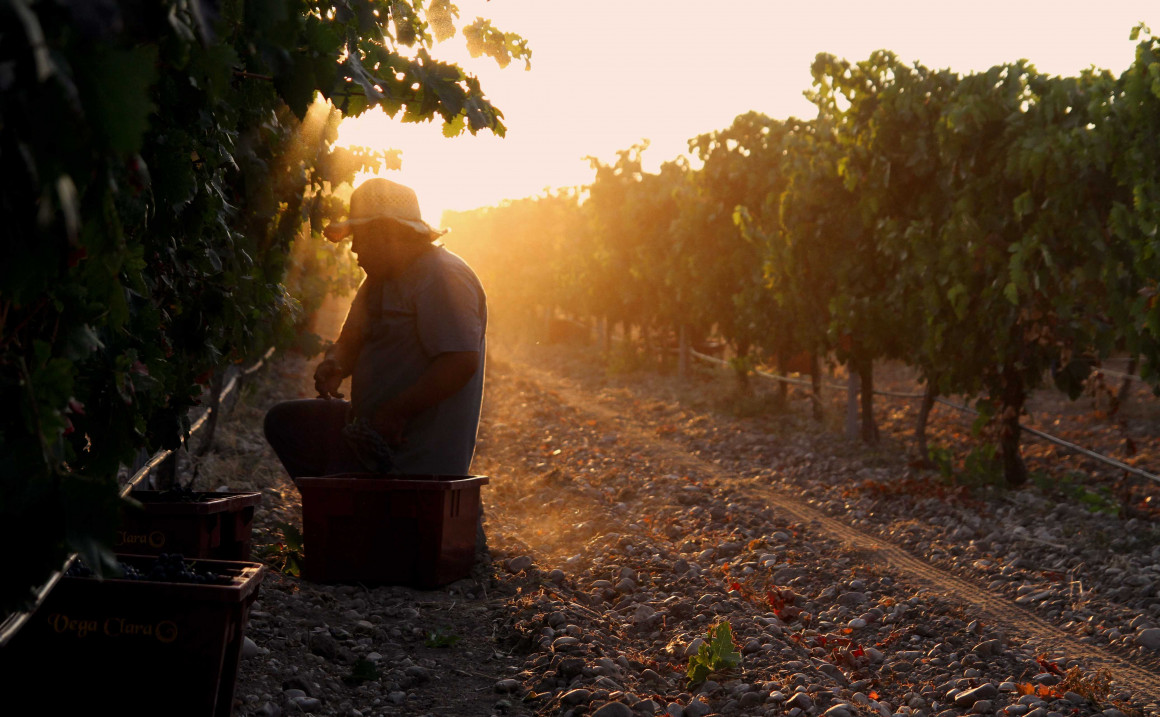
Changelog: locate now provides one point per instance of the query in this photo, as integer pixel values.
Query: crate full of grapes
(195, 524)
(164, 637)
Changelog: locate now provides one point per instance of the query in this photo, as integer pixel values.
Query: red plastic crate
(216, 525)
(135, 647)
(389, 530)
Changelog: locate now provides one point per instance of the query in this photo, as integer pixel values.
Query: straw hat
(380, 198)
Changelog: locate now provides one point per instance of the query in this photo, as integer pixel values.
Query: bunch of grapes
(128, 572)
(172, 568)
(78, 569)
(167, 567)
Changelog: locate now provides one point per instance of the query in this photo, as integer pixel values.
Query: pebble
(249, 649)
(519, 564)
(984, 691)
(578, 696)
(308, 704)
(563, 643)
(1149, 638)
(697, 708)
(613, 709)
(571, 666)
(988, 647)
(802, 701)
(692, 648)
(652, 676)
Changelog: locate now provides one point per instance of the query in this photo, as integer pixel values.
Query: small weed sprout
(285, 556)
(717, 654)
(441, 637)
(362, 671)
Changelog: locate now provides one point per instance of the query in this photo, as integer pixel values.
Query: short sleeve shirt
(437, 306)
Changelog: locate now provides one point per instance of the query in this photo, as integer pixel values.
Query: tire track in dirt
(1016, 621)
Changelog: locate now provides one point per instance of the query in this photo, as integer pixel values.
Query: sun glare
(425, 154)
(596, 87)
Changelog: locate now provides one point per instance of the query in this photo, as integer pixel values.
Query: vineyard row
(989, 229)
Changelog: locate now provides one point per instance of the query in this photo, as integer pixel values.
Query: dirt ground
(629, 512)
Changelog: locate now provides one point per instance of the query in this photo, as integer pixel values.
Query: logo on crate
(156, 539)
(165, 630)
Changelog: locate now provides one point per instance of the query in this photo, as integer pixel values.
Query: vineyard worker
(413, 344)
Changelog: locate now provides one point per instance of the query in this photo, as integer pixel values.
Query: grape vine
(165, 163)
(997, 230)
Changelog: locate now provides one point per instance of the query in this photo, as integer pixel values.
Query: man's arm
(447, 373)
(342, 354)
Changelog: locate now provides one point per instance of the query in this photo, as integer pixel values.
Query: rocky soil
(629, 515)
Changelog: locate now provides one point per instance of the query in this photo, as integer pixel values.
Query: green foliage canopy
(160, 159)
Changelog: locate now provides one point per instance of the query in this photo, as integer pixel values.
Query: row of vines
(167, 170)
(990, 229)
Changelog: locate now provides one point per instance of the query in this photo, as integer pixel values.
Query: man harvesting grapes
(413, 344)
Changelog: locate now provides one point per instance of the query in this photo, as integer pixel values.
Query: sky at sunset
(609, 73)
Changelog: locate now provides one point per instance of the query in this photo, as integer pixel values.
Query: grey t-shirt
(436, 306)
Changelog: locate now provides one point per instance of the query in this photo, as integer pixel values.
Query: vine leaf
(116, 94)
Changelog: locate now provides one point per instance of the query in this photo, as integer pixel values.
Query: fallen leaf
(1048, 666)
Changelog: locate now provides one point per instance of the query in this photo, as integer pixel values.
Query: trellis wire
(160, 456)
(1108, 460)
(1118, 374)
(1067, 444)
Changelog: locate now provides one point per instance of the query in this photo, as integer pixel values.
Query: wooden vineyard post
(853, 384)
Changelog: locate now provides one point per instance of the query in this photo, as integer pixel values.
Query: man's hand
(327, 378)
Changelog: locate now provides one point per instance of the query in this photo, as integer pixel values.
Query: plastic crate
(389, 530)
(198, 525)
(134, 647)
